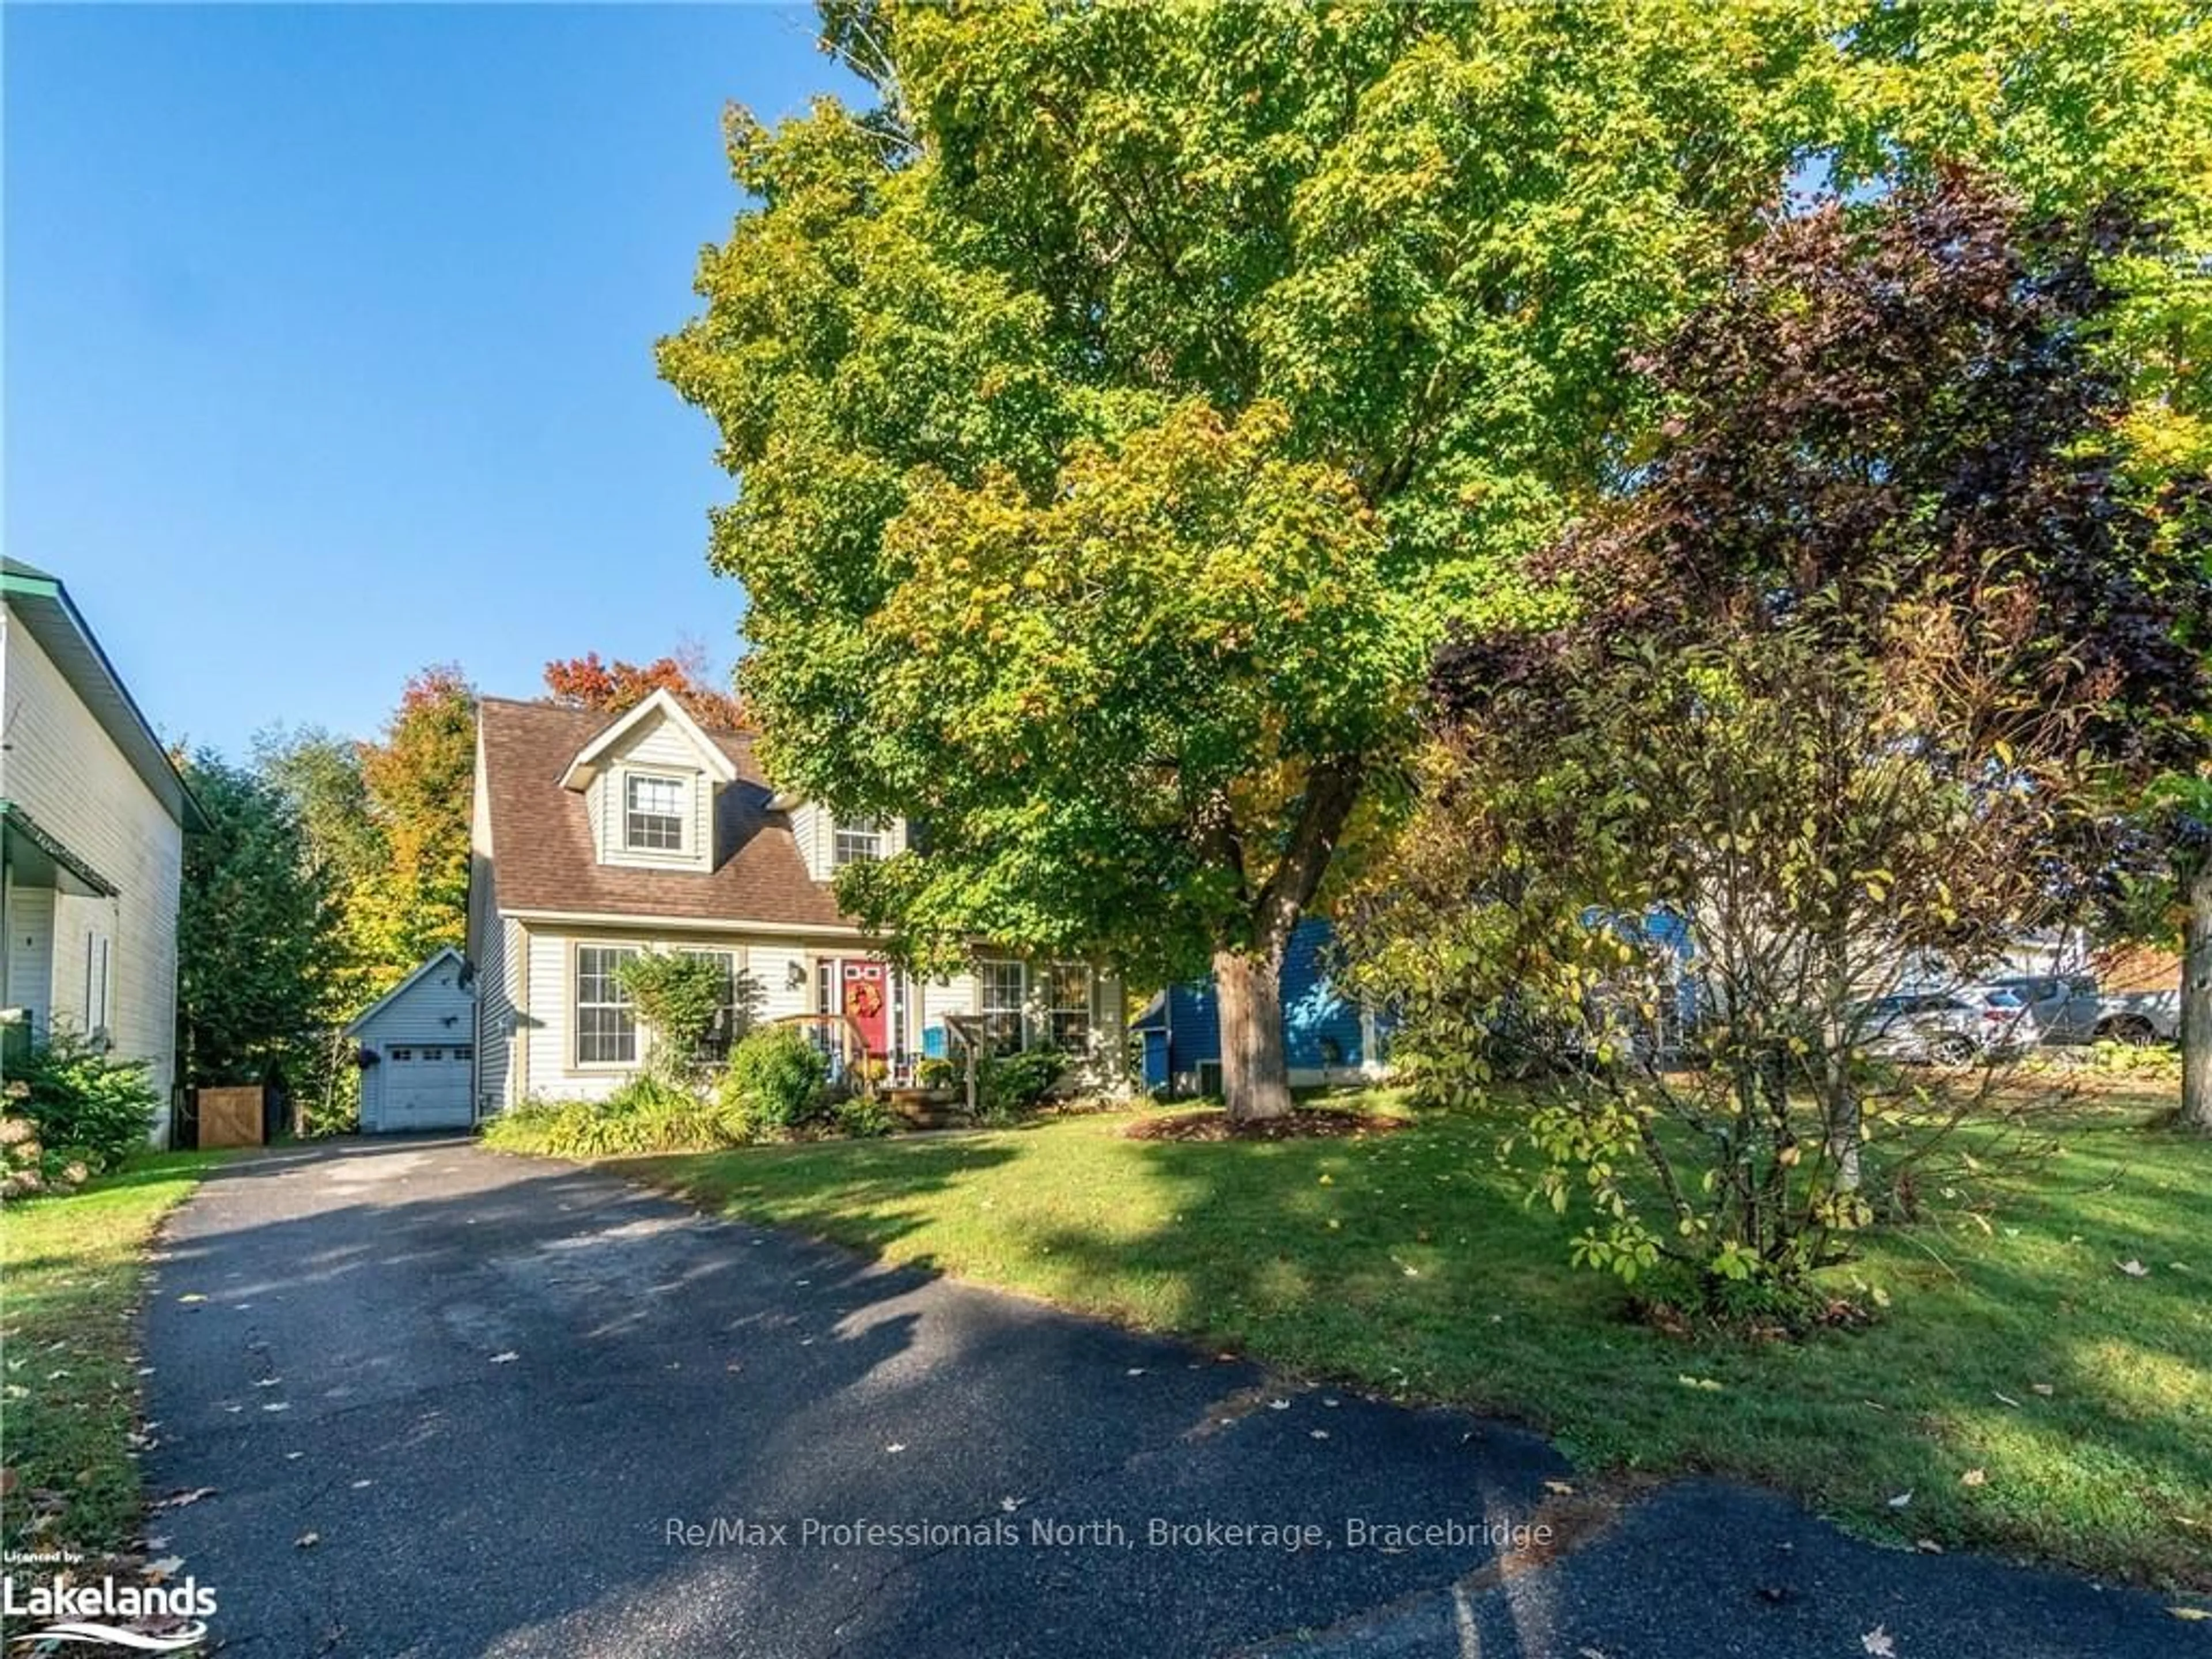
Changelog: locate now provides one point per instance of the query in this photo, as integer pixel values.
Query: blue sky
(329, 332)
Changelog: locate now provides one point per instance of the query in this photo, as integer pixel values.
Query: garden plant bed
(1305, 1123)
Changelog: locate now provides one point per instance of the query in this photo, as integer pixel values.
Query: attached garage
(417, 1048)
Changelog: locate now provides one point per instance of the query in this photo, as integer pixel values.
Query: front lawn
(70, 1279)
(2029, 1396)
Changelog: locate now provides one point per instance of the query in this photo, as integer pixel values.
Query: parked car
(1945, 1028)
(2071, 1008)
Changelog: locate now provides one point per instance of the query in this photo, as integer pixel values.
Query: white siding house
(598, 836)
(93, 817)
(418, 1044)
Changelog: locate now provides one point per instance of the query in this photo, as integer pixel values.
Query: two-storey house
(598, 836)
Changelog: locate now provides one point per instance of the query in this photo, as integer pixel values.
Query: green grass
(71, 1281)
(1409, 1263)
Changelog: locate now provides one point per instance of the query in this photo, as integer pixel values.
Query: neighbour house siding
(1319, 1022)
(31, 953)
(62, 767)
(1321, 1026)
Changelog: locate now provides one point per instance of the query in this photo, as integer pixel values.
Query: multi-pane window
(1002, 987)
(714, 1045)
(857, 841)
(606, 1028)
(653, 814)
(1067, 1006)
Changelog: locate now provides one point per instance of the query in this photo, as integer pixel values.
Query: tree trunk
(2196, 995)
(1255, 1078)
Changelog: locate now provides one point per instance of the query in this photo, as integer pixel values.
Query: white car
(1945, 1028)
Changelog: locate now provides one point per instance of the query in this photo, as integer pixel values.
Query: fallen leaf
(895, 1446)
(1010, 1505)
(1558, 1489)
(359, 1485)
(166, 1567)
(2043, 1388)
(1134, 1371)
(1318, 1434)
(277, 1406)
(1901, 1499)
(506, 1359)
(177, 1500)
(192, 1296)
(1279, 1405)
(1928, 1547)
(307, 1540)
(2004, 1398)
(1880, 1642)
(2133, 1268)
(2194, 1615)
(1974, 1478)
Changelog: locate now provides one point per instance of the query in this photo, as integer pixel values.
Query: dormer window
(654, 813)
(857, 841)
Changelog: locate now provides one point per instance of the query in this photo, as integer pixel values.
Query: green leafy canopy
(1123, 406)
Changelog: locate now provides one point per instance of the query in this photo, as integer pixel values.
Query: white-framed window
(606, 1026)
(1067, 1006)
(714, 1046)
(1001, 990)
(652, 814)
(857, 841)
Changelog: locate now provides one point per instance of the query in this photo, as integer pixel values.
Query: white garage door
(426, 1088)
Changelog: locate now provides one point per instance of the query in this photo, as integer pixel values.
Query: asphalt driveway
(450, 1403)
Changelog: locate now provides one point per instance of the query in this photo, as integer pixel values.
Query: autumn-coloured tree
(585, 682)
(420, 775)
(1049, 379)
(1869, 644)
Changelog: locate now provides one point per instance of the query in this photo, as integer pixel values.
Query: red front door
(867, 1004)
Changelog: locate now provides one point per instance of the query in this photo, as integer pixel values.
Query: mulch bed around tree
(1306, 1123)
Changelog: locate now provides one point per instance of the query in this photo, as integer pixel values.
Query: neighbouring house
(1329, 1037)
(598, 836)
(93, 820)
(417, 1048)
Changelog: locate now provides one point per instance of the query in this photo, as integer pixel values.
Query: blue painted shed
(1327, 1037)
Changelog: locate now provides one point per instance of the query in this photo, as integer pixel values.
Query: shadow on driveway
(509, 1401)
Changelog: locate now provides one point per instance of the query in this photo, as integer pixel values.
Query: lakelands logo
(98, 1615)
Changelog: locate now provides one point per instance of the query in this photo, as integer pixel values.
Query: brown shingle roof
(541, 834)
